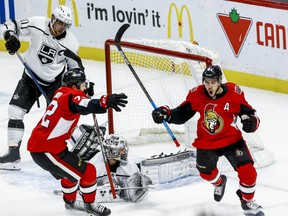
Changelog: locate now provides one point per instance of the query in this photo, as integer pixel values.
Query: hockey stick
(33, 77)
(118, 37)
(97, 130)
(59, 192)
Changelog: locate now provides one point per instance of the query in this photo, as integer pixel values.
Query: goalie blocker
(85, 141)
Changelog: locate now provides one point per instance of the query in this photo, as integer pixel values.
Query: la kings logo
(46, 54)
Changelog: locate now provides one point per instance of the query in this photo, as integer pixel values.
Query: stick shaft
(118, 37)
(97, 130)
(33, 77)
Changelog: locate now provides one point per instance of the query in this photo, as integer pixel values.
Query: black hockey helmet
(213, 72)
(73, 77)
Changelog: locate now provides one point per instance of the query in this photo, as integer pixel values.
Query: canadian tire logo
(236, 29)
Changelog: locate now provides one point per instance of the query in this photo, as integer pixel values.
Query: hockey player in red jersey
(219, 104)
(53, 48)
(48, 146)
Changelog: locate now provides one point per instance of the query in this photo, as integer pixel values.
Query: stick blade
(121, 31)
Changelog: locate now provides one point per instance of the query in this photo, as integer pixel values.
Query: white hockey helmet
(63, 14)
(116, 148)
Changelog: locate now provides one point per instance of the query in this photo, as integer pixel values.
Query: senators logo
(237, 89)
(212, 123)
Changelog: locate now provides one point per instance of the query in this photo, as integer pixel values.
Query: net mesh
(166, 79)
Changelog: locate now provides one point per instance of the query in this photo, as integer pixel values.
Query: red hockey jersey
(57, 123)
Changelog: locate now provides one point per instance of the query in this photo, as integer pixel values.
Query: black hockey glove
(12, 42)
(114, 101)
(90, 89)
(250, 123)
(160, 114)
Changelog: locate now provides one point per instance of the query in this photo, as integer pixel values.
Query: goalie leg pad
(167, 168)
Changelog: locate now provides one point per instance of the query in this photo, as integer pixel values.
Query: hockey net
(167, 69)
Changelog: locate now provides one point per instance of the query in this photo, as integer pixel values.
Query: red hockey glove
(160, 114)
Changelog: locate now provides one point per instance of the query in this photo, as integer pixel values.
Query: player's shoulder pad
(193, 89)
(38, 21)
(235, 87)
(73, 43)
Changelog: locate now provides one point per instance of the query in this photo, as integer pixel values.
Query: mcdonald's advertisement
(251, 40)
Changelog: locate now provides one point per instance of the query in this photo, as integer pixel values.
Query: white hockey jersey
(45, 55)
(124, 170)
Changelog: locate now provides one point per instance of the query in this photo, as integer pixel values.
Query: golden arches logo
(63, 2)
(179, 15)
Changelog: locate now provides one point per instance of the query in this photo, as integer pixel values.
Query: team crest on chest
(46, 54)
(213, 123)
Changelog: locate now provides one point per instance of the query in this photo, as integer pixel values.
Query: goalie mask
(116, 148)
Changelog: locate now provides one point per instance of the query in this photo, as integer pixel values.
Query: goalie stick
(59, 192)
(97, 130)
(118, 37)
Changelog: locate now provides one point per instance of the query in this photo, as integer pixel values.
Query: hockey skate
(74, 205)
(250, 208)
(96, 209)
(220, 190)
(11, 160)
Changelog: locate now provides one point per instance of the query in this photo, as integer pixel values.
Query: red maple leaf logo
(236, 29)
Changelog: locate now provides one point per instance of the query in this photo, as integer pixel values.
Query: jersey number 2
(52, 108)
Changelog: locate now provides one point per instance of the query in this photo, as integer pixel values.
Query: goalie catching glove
(160, 114)
(250, 123)
(12, 42)
(133, 188)
(114, 101)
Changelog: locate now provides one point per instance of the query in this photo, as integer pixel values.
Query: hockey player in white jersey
(53, 47)
(130, 184)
